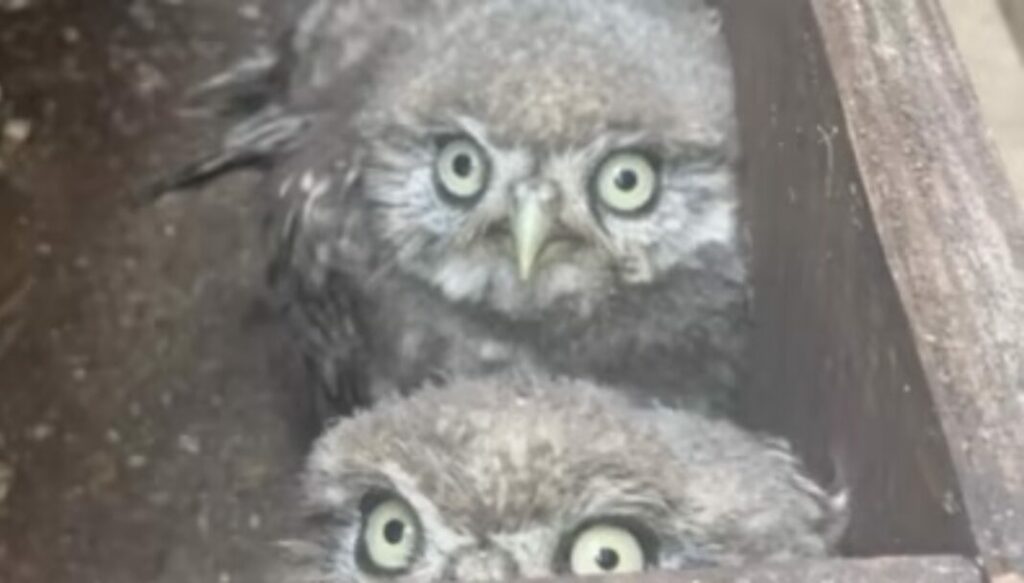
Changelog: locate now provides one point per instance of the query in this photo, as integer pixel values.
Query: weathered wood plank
(835, 366)
(887, 570)
(953, 235)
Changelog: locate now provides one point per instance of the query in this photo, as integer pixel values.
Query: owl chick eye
(462, 170)
(626, 183)
(605, 549)
(390, 537)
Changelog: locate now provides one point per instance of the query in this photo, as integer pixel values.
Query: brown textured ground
(149, 424)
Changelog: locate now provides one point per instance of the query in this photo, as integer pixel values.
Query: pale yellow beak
(531, 225)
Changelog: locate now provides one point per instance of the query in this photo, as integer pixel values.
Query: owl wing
(325, 319)
(322, 260)
(281, 100)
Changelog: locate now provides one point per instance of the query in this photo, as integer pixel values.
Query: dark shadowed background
(150, 427)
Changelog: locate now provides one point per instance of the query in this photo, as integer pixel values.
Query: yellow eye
(626, 182)
(391, 537)
(606, 550)
(462, 169)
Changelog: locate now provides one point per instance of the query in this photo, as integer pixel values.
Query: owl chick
(522, 476)
(473, 183)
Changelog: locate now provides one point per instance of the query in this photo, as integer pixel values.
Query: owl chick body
(529, 476)
(467, 184)
(499, 181)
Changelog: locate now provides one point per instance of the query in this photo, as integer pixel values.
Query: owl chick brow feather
(401, 150)
(643, 503)
(397, 130)
(334, 503)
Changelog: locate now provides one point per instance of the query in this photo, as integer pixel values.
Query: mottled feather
(516, 464)
(390, 286)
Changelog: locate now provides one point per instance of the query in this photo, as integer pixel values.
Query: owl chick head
(526, 153)
(524, 477)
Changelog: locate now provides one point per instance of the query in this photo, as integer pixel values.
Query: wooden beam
(953, 235)
(887, 570)
(835, 367)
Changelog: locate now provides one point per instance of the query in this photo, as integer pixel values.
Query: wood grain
(886, 570)
(953, 235)
(835, 366)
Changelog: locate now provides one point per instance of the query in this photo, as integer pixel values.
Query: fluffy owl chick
(472, 183)
(495, 181)
(525, 476)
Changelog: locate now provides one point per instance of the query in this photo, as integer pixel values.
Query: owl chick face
(529, 477)
(528, 154)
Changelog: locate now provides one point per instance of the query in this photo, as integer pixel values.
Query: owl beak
(531, 225)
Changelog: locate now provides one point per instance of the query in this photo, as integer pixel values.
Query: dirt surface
(151, 424)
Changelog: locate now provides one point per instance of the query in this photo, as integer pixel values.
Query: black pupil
(626, 180)
(394, 530)
(463, 165)
(607, 559)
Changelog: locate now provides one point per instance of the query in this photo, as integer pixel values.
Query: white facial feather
(469, 256)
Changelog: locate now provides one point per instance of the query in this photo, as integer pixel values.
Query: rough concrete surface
(150, 426)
